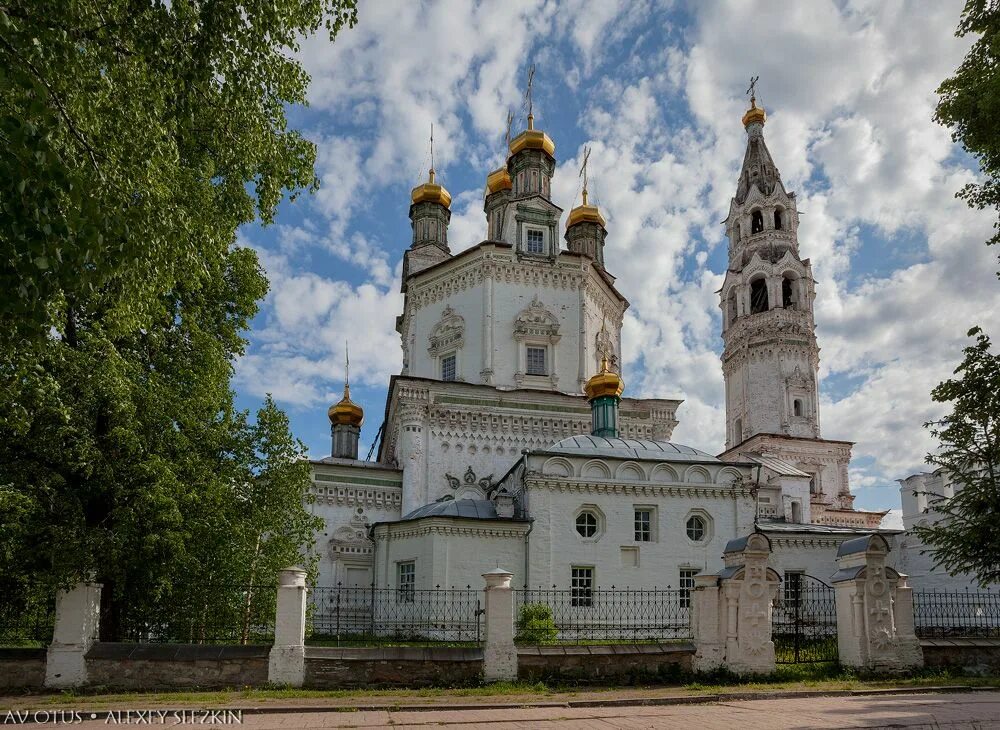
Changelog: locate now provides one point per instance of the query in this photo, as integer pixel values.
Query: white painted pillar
(287, 661)
(499, 653)
(78, 613)
(708, 619)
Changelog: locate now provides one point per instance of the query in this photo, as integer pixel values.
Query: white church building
(507, 439)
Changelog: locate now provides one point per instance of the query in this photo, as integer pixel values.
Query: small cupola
(586, 229)
(532, 162)
(346, 418)
(498, 192)
(604, 392)
(430, 213)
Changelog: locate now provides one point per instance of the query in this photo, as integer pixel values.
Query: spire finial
(583, 174)
(527, 97)
(431, 177)
(752, 91)
(347, 369)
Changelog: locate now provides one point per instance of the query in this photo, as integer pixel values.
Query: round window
(696, 528)
(586, 524)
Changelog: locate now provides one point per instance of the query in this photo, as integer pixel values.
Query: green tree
(966, 535)
(970, 103)
(137, 136)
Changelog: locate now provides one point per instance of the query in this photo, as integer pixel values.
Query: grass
(816, 677)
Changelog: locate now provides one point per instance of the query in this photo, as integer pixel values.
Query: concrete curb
(624, 702)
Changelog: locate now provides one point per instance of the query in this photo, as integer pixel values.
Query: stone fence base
(969, 656)
(176, 666)
(22, 669)
(614, 663)
(341, 668)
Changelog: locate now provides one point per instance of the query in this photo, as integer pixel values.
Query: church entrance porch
(804, 621)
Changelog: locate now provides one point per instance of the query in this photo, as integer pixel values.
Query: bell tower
(770, 359)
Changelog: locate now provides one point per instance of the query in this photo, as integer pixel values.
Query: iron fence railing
(207, 614)
(366, 615)
(27, 623)
(957, 614)
(543, 616)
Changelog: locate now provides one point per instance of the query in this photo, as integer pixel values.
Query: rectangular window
(793, 586)
(406, 579)
(536, 241)
(536, 361)
(686, 583)
(448, 367)
(582, 593)
(643, 525)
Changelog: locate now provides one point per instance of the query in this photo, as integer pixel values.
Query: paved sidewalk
(979, 710)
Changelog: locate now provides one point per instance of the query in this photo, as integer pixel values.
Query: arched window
(758, 296)
(756, 222)
(797, 407)
(777, 220)
(731, 306)
(738, 431)
(787, 293)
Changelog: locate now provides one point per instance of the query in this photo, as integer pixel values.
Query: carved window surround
(536, 326)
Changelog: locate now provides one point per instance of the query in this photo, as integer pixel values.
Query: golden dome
(498, 180)
(585, 214)
(604, 383)
(346, 412)
(533, 139)
(431, 192)
(754, 113)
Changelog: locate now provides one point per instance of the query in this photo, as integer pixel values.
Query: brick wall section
(164, 666)
(972, 656)
(336, 668)
(22, 668)
(616, 663)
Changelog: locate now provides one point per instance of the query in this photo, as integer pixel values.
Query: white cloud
(893, 520)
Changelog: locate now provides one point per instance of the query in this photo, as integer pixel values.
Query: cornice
(641, 489)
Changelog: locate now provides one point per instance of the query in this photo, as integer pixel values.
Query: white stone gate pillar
(78, 616)
(499, 652)
(874, 609)
(707, 624)
(748, 588)
(287, 660)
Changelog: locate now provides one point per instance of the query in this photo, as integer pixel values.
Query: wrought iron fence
(366, 616)
(27, 622)
(207, 614)
(804, 621)
(581, 615)
(957, 614)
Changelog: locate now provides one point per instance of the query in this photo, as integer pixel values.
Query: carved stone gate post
(731, 617)
(874, 609)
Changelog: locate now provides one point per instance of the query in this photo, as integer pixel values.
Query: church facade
(506, 436)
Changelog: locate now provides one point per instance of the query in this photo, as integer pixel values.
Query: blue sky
(656, 89)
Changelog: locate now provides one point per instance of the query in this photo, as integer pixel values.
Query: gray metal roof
(769, 526)
(779, 466)
(627, 449)
(473, 509)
